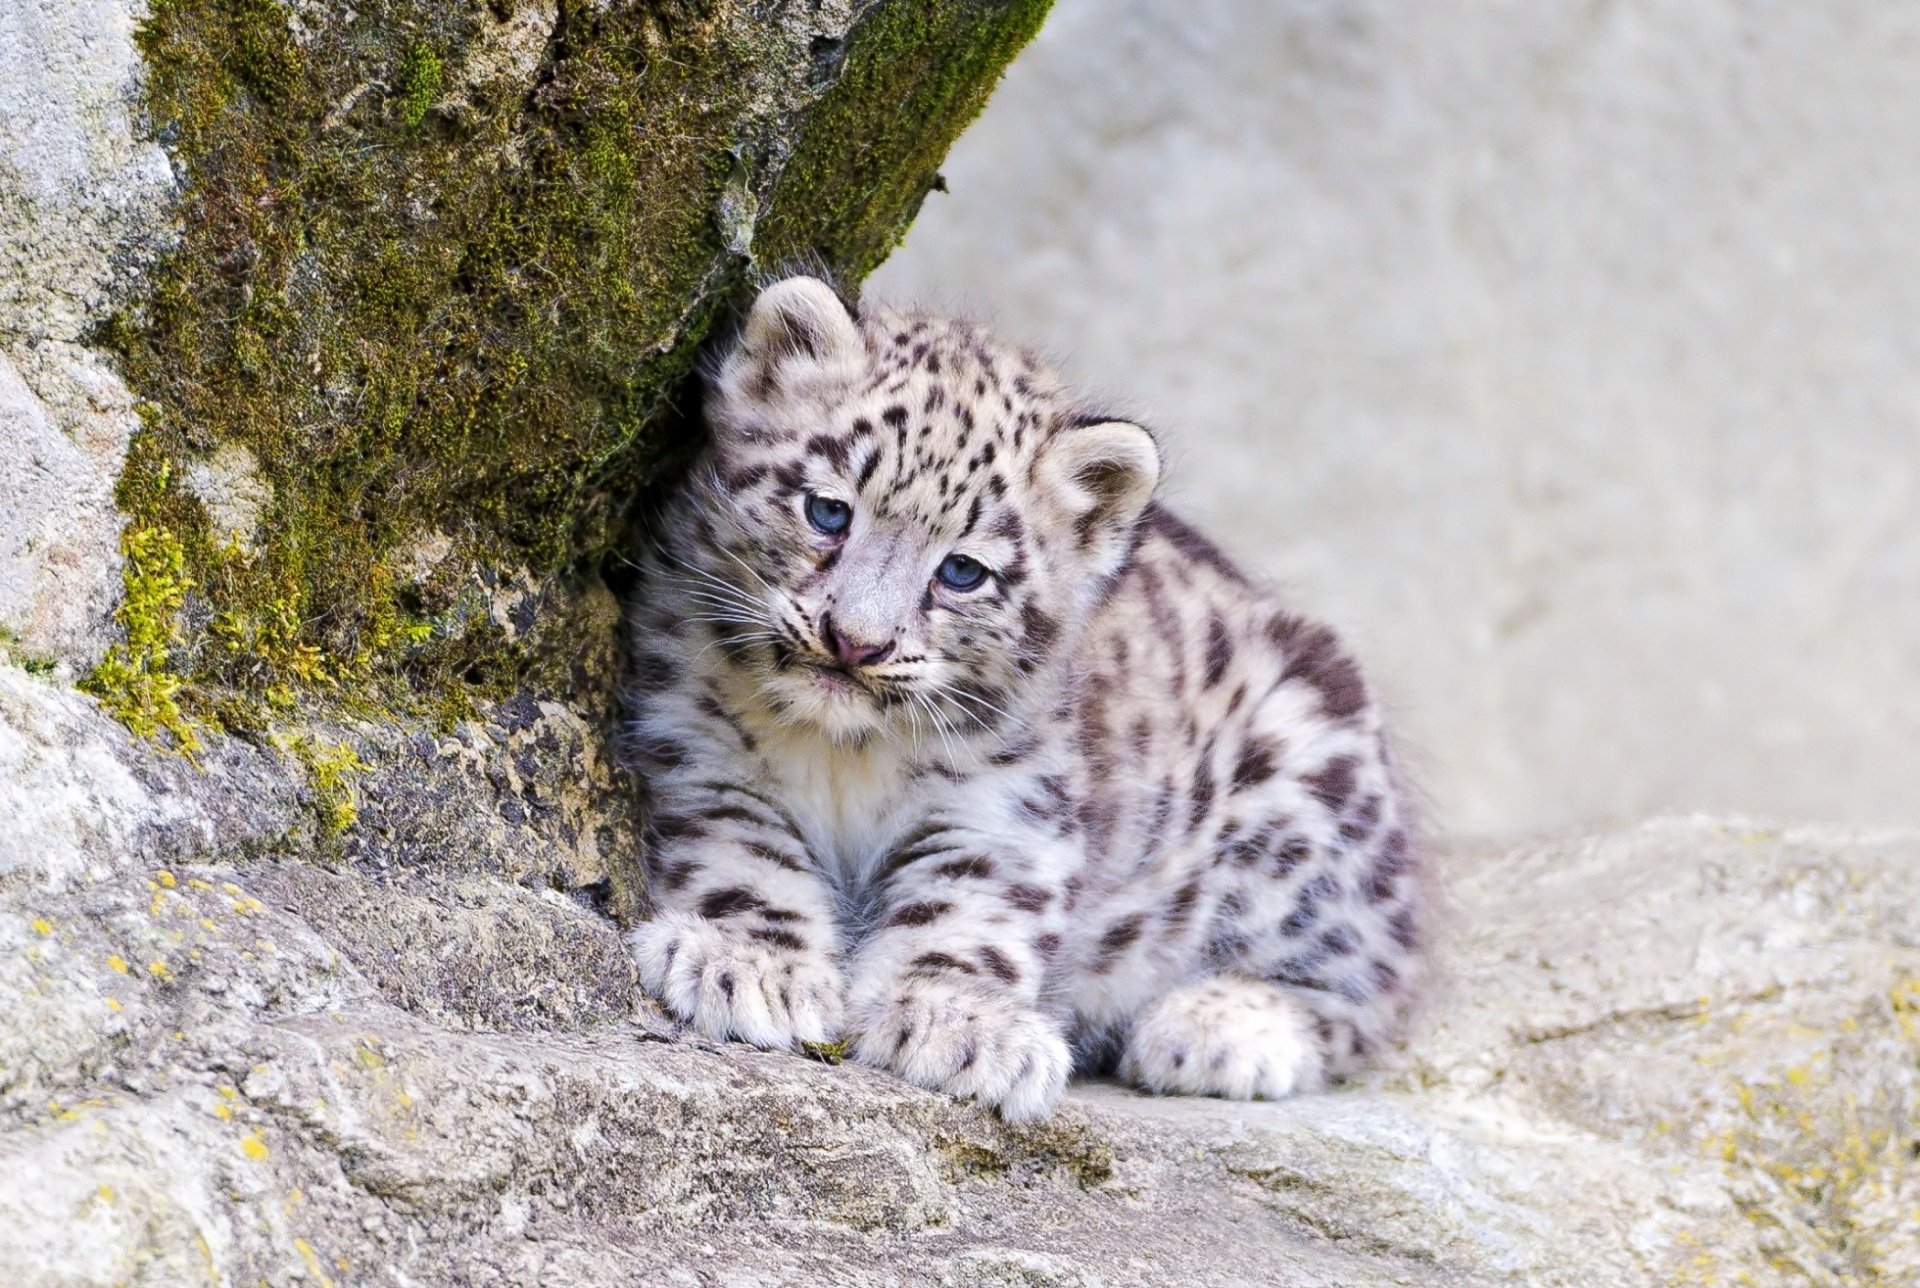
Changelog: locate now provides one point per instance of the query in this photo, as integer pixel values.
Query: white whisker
(963, 696)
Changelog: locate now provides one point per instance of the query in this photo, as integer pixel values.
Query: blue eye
(961, 573)
(830, 516)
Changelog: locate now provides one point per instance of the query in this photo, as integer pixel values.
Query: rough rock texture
(65, 434)
(82, 208)
(1562, 353)
(1680, 1054)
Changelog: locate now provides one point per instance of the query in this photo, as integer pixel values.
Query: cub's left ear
(797, 330)
(1102, 474)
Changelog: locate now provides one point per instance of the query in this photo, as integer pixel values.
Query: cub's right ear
(1101, 473)
(797, 333)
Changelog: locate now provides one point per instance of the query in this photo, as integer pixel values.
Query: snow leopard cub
(960, 747)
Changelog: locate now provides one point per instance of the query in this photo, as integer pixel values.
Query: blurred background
(1567, 356)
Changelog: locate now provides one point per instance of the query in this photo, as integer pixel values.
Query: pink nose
(851, 652)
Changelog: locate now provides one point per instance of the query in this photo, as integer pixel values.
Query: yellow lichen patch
(826, 1052)
(1817, 1148)
(118, 962)
(195, 883)
(41, 926)
(159, 970)
(114, 1004)
(106, 1193)
(253, 1147)
(315, 1266)
(223, 1113)
(166, 879)
(228, 1093)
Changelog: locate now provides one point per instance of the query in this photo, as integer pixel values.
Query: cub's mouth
(832, 677)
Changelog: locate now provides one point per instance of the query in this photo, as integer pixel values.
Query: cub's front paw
(964, 1040)
(730, 986)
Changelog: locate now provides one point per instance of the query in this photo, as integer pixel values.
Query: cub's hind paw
(965, 1041)
(1230, 1036)
(730, 986)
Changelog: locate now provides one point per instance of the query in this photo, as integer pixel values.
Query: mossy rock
(442, 274)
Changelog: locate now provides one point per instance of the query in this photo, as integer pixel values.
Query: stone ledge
(1675, 1053)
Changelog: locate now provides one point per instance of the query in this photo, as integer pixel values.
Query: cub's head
(899, 520)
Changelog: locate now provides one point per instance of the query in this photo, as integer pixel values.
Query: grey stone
(229, 486)
(82, 196)
(82, 211)
(65, 421)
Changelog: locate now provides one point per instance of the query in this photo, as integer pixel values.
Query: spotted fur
(1112, 806)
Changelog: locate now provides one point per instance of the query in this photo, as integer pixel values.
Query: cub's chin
(830, 701)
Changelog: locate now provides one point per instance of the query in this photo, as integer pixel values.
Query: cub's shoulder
(1169, 541)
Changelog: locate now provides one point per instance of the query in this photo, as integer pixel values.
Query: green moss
(333, 774)
(438, 308)
(136, 681)
(1059, 1145)
(914, 76)
(826, 1052)
(420, 79)
(14, 652)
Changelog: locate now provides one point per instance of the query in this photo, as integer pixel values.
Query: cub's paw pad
(728, 985)
(967, 1042)
(1231, 1037)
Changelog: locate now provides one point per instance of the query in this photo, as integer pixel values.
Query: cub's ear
(798, 331)
(1101, 474)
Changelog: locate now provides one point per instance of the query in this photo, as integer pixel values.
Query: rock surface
(1685, 1053)
(82, 208)
(65, 422)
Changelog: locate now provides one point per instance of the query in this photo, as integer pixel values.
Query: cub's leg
(1302, 894)
(947, 992)
(1316, 879)
(1227, 1036)
(742, 943)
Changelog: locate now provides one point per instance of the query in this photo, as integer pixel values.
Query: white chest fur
(851, 802)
